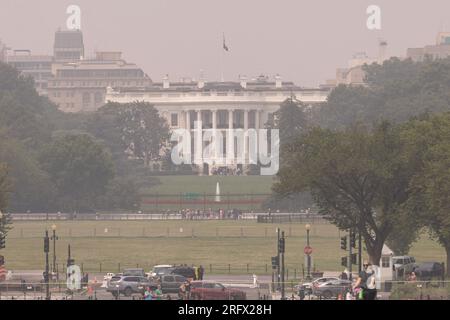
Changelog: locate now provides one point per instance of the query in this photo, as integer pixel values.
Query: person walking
(201, 272)
(366, 282)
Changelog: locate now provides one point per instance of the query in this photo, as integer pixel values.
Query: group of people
(156, 294)
(365, 287)
(210, 214)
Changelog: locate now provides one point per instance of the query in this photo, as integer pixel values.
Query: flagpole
(222, 57)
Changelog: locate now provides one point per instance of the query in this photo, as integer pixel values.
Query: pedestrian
(196, 273)
(188, 290)
(182, 292)
(367, 282)
(148, 294)
(201, 272)
(344, 274)
(158, 293)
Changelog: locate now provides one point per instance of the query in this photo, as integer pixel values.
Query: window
(385, 262)
(98, 97)
(86, 97)
(174, 119)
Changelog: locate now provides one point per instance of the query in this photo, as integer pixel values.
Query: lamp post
(46, 273)
(54, 238)
(308, 257)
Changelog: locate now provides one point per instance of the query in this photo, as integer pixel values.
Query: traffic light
(344, 261)
(281, 245)
(2, 260)
(354, 258)
(70, 262)
(353, 240)
(275, 262)
(46, 244)
(344, 243)
(2, 241)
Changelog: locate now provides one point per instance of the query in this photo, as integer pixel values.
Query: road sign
(308, 250)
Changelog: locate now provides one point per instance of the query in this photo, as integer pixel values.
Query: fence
(203, 201)
(291, 218)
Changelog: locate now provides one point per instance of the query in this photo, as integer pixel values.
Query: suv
(171, 283)
(134, 272)
(160, 270)
(201, 290)
(128, 285)
(403, 265)
(187, 272)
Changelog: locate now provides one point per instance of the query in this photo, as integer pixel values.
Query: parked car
(307, 287)
(187, 272)
(202, 290)
(160, 270)
(402, 266)
(127, 285)
(429, 270)
(332, 288)
(171, 283)
(134, 272)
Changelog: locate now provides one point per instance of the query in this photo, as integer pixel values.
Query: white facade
(219, 105)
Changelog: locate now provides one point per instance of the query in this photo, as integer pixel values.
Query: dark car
(429, 270)
(187, 272)
(171, 283)
(205, 290)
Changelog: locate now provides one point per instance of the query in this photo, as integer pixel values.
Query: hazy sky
(303, 41)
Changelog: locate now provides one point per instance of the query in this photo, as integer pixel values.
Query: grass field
(242, 190)
(222, 244)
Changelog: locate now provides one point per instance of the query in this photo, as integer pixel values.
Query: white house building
(224, 106)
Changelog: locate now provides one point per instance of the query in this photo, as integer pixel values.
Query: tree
(30, 186)
(24, 114)
(143, 132)
(290, 119)
(121, 195)
(80, 168)
(358, 178)
(4, 191)
(429, 141)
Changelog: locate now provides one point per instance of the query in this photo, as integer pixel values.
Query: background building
(80, 86)
(39, 67)
(440, 50)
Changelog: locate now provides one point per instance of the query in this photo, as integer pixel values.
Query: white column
(199, 140)
(215, 137)
(188, 120)
(188, 145)
(257, 119)
(246, 111)
(230, 139)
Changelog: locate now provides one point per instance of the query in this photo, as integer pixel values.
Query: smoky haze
(304, 41)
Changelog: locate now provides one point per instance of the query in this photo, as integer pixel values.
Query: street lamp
(46, 273)
(308, 256)
(54, 238)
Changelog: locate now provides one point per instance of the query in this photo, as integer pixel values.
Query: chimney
(243, 80)
(166, 82)
(382, 51)
(278, 81)
(201, 80)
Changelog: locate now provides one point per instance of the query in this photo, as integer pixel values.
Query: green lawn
(244, 192)
(206, 184)
(216, 243)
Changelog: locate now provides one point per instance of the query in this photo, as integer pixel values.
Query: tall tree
(429, 139)
(81, 170)
(144, 134)
(358, 178)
